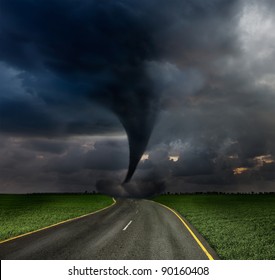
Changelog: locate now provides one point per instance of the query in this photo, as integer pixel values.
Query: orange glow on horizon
(240, 170)
(261, 160)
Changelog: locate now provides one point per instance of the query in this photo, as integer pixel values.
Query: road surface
(131, 229)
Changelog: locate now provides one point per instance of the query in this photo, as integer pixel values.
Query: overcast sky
(190, 85)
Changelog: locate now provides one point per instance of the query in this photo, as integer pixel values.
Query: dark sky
(188, 85)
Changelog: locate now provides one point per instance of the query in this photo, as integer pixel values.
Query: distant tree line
(217, 193)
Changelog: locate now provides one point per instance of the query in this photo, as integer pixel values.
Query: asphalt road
(131, 229)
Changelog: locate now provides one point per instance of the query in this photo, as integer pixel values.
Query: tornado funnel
(138, 130)
(136, 108)
(137, 115)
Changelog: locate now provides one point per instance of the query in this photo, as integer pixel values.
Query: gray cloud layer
(195, 76)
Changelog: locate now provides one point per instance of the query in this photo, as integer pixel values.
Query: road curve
(131, 229)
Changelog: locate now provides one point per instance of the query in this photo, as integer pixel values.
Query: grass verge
(24, 213)
(235, 226)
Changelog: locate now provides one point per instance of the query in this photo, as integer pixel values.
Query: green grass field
(236, 226)
(23, 213)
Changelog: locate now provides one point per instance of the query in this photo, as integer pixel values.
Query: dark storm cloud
(60, 165)
(103, 155)
(107, 155)
(55, 147)
(197, 75)
(103, 47)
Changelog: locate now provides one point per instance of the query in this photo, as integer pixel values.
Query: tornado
(138, 123)
(96, 51)
(138, 132)
(135, 104)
